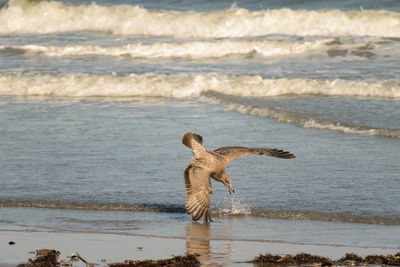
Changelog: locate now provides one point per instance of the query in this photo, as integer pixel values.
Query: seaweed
(299, 259)
(307, 259)
(44, 258)
(177, 261)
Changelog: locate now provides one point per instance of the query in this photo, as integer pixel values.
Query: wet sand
(103, 248)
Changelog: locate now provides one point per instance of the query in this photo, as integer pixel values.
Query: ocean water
(96, 95)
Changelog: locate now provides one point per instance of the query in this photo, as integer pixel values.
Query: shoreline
(106, 248)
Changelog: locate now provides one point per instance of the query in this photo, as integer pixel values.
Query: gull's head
(226, 180)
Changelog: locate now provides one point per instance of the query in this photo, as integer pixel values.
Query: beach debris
(385, 260)
(11, 243)
(350, 259)
(306, 259)
(44, 258)
(44, 252)
(64, 263)
(299, 259)
(271, 259)
(376, 259)
(76, 257)
(49, 258)
(73, 257)
(177, 261)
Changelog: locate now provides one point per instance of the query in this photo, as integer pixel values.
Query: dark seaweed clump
(307, 259)
(49, 258)
(299, 259)
(178, 261)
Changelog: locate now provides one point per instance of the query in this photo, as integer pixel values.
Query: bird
(207, 164)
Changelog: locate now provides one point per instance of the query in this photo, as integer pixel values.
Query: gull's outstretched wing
(198, 189)
(231, 153)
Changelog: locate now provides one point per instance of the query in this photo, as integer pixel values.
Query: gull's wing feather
(230, 153)
(198, 189)
(194, 142)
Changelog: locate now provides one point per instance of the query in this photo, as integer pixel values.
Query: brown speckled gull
(206, 164)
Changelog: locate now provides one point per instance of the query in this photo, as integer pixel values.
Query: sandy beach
(105, 248)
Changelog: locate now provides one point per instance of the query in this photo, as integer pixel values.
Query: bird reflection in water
(198, 240)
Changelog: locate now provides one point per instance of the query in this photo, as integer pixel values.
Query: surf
(188, 86)
(233, 93)
(191, 49)
(22, 17)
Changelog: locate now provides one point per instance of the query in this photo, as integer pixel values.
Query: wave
(40, 17)
(351, 129)
(232, 103)
(187, 86)
(227, 91)
(198, 49)
(370, 48)
(237, 209)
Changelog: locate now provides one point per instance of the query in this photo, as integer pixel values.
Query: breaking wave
(237, 209)
(235, 104)
(40, 17)
(187, 86)
(198, 49)
(226, 91)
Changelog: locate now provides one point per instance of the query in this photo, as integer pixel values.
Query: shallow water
(128, 153)
(95, 97)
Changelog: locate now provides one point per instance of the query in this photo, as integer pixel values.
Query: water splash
(233, 206)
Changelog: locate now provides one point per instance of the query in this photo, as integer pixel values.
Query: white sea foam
(283, 116)
(311, 123)
(187, 86)
(28, 16)
(198, 49)
(350, 129)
